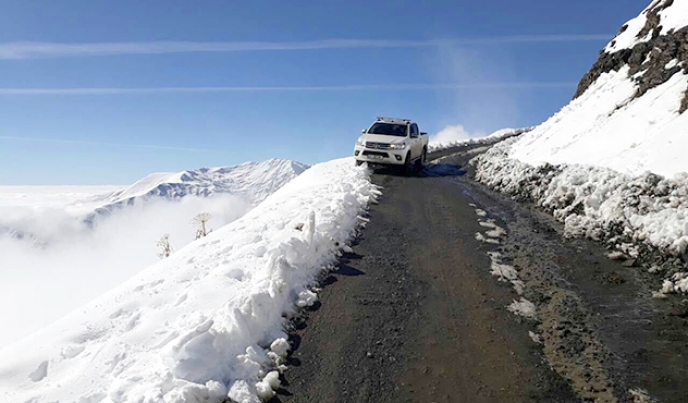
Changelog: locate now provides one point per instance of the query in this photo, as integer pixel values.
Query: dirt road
(415, 315)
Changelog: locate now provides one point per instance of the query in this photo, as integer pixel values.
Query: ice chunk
(280, 347)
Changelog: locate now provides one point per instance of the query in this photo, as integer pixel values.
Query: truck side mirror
(364, 131)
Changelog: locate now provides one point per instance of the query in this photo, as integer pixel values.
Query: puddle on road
(441, 170)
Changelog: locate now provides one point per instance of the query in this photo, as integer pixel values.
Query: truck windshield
(388, 129)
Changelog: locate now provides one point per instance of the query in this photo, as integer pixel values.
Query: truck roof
(395, 121)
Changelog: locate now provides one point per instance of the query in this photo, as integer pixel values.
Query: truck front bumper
(380, 156)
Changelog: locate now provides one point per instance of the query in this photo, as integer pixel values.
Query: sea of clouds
(61, 262)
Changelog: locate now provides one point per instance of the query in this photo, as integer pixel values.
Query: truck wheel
(408, 167)
(359, 163)
(420, 162)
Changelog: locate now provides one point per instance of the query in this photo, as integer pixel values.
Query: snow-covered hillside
(254, 181)
(628, 114)
(612, 163)
(207, 322)
(49, 252)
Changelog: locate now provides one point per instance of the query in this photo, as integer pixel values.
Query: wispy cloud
(333, 88)
(106, 144)
(30, 50)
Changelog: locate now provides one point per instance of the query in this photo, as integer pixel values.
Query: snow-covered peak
(659, 18)
(252, 180)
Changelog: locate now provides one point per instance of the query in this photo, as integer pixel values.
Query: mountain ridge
(628, 112)
(253, 180)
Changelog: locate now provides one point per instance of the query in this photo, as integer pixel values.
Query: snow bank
(206, 323)
(627, 212)
(64, 243)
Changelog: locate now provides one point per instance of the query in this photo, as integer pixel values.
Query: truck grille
(378, 146)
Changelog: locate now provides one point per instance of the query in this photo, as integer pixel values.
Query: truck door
(415, 142)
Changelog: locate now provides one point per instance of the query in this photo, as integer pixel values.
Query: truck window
(414, 129)
(388, 129)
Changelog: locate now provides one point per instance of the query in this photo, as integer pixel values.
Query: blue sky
(230, 81)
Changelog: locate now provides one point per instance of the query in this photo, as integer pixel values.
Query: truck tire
(359, 163)
(408, 166)
(420, 162)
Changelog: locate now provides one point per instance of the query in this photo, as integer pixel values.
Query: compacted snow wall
(644, 218)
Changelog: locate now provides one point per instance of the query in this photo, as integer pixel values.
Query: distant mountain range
(253, 181)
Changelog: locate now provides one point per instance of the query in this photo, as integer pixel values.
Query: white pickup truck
(392, 141)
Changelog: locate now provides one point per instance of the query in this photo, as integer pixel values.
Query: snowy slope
(205, 323)
(612, 165)
(673, 15)
(253, 180)
(50, 252)
(628, 113)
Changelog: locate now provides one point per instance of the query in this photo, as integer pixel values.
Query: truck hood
(380, 138)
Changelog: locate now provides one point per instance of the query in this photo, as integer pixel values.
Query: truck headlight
(399, 146)
(360, 142)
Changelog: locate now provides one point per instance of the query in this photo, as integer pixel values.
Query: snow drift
(206, 323)
(597, 202)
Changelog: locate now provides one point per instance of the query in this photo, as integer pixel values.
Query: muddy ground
(414, 315)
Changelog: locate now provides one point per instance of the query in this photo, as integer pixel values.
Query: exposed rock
(659, 53)
(653, 20)
(652, 62)
(606, 63)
